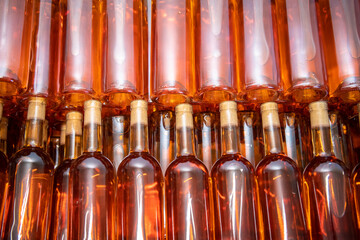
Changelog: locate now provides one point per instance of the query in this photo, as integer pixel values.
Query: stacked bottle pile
(179, 119)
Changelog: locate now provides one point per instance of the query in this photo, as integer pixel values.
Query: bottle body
(82, 56)
(330, 211)
(355, 178)
(16, 18)
(339, 33)
(3, 188)
(139, 198)
(172, 78)
(187, 196)
(60, 202)
(234, 198)
(300, 52)
(30, 190)
(215, 51)
(261, 81)
(280, 200)
(92, 194)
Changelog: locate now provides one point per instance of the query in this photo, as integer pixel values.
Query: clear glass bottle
(207, 137)
(234, 189)
(125, 57)
(260, 77)
(116, 138)
(279, 183)
(300, 53)
(162, 136)
(328, 198)
(339, 33)
(187, 185)
(251, 136)
(81, 70)
(92, 183)
(60, 201)
(3, 169)
(15, 27)
(30, 181)
(215, 46)
(140, 181)
(172, 78)
(355, 177)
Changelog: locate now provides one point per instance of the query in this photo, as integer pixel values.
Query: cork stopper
(319, 116)
(73, 123)
(62, 134)
(270, 115)
(184, 118)
(36, 109)
(3, 128)
(92, 109)
(138, 110)
(228, 114)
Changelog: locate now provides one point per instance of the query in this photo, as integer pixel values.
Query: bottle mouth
(184, 118)
(319, 116)
(138, 109)
(37, 108)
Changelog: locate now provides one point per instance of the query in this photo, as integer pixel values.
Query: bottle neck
(92, 137)
(321, 141)
(139, 138)
(184, 141)
(230, 140)
(272, 140)
(73, 146)
(34, 133)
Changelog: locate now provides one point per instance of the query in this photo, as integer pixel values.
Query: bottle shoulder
(276, 162)
(143, 160)
(320, 164)
(32, 155)
(232, 162)
(187, 164)
(92, 160)
(64, 168)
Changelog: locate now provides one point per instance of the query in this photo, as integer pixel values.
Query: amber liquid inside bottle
(300, 53)
(15, 28)
(162, 137)
(60, 201)
(279, 185)
(187, 187)
(261, 79)
(328, 198)
(207, 137)
(30, 181)
(92, 184)
(3, 188)
(234, 191)
(339, 32)
(140, 184)
(215, 51)
(126, 67)
(172, 51)
(82, 57)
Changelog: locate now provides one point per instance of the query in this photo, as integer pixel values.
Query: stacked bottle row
(88, 196)
(179, 51)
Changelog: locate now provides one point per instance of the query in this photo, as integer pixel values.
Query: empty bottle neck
(92, 138)
(230, 139)
(184, 141)
(34, 133)
(139, 138)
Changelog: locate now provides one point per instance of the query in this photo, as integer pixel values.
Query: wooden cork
(184, 118)
(92, 109)
(36, 109)
(3, 128)
(73, 123)
(138, 110)
(228, 114)
(319, 116)
(270, 115)
(63, 134)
